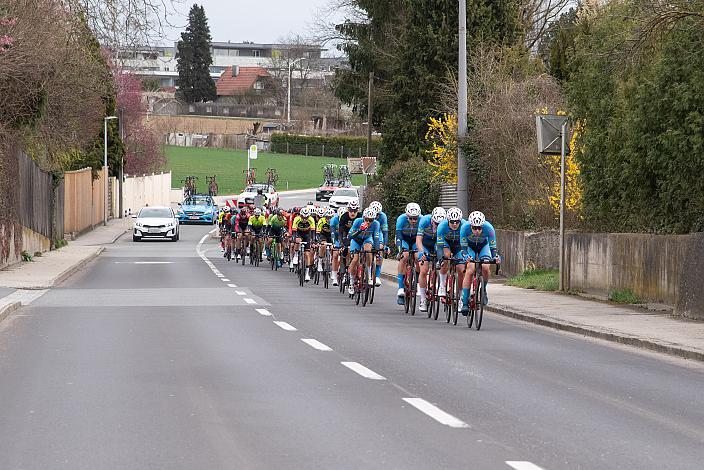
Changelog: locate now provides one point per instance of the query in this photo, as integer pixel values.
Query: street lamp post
(462, 183)
(288, 101)
(105, 167)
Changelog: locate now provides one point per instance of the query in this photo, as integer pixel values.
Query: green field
(298, 171)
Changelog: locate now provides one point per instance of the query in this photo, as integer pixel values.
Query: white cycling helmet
(305, 212)
(412, 210)
(476, 218)
(376, 205)
(320, 211)
(354, 204)
(369, 213)
(257, 212)
(329, 212)
(341, 211)
(438, 215)
(454, 214)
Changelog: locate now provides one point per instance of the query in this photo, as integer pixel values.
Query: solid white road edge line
(363, 371)
(250, 301)
(263, 311)
(522, 465)
(314, 343)
(285, 326)
(436, 413)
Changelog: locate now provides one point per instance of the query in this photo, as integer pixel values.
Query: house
(245, 85)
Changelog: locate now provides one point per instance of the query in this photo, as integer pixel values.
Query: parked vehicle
(198, 208)
(155, 222)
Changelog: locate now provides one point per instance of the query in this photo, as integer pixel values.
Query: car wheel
(135, 238)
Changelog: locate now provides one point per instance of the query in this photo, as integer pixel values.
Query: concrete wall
(649, 265)
(527, 250)
(138, 191)
(690, 302)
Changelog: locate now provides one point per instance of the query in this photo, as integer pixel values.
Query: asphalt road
(163, 355)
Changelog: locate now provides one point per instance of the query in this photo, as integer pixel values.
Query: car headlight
(179, 212)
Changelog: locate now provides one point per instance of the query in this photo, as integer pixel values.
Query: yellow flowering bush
(573, 189)
(442, 137)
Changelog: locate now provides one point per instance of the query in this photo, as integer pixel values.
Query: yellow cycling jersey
(303, 225)
(220, 216)
(323, 225)
(255, 221)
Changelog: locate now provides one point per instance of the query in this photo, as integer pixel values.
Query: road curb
(73, 269)
(5, 310)
(620, 338)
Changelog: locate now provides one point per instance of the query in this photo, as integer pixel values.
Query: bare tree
(538, 15)
(659, 17)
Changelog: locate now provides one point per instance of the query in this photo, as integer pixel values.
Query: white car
(247, 197)
(342, 196)
(156, 221)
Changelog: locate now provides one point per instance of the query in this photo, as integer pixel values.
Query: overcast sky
(263, 21)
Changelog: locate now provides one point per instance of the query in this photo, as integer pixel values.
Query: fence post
(306, 150)
(322, 153)
(287, 147)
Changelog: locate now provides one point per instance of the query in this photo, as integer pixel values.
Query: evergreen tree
(411, 46)
(194, 59)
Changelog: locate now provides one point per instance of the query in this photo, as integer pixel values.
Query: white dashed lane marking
(263, 311)
(250, 301)
(224, 279)
(522, 465)
(314, 343)
(285, 326)
(363, 371)
(240, 292)
(231, 285)
(436, 413)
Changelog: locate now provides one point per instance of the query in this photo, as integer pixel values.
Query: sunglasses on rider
(454, 221)
(476, 228)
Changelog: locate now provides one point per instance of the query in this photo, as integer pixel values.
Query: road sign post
(251, 155)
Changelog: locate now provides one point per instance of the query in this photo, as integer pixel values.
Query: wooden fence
(83, 200)
(36, 196)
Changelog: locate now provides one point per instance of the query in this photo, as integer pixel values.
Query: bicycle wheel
(479, 316)
(272, 256)
(449, 288)
(455, 306)
(365, 287)
(414, 290)
(243, 252)
(407, 293)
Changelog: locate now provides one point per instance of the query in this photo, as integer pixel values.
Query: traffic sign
(252, 152)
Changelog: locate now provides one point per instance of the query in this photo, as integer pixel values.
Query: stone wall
(527, 250)
(649, 265)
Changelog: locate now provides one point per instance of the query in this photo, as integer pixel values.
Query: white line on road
(143, 262)
(224, 279)
(231, 285)
(363, 371)
(240, 292)
(250, 301)
(285, 326)
(219, 274)
(314, 343)
(25, 297)
(436, 413)
(522, 465)
(263, 311)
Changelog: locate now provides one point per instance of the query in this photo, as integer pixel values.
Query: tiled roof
(227, 85)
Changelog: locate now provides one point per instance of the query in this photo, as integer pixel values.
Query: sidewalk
(54, 266)
(656, 331)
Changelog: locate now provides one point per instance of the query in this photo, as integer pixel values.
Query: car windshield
(254, 187)
(346, 192)
(155, 213)
(197, 201)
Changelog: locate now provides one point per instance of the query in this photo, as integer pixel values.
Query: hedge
(333, 146)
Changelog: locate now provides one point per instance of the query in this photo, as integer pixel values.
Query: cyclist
(479, 243)
(425, 243)
(345, 225)
(448, 245)
(324, 233)
(221, 216)
(303, 229)
(255, 227)
(276, 225)
(364, 234)
(241, 223)
(406, 231)
(384, 224)
(225, 242)
(334, 228)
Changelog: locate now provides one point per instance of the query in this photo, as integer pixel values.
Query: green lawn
(539, 279)
(300, 172)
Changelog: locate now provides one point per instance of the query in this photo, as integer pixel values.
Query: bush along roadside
(624, 296)
(538, 279)
(337, 146)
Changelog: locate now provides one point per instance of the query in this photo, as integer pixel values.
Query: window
(258, 85)
(256, 53)
(234, 52)
(220, 52)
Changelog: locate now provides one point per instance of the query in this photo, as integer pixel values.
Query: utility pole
(462, 177)
(369, 122)
(122, 159)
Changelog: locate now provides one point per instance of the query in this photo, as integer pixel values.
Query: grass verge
(299, 171)
(625, 296)
(538, 279)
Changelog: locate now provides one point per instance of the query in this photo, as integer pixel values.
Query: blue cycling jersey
(372, 232)
(405, 230)
(476, 242)
(334, 223)
(383, 226)
(448, 238)
(428, 230)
